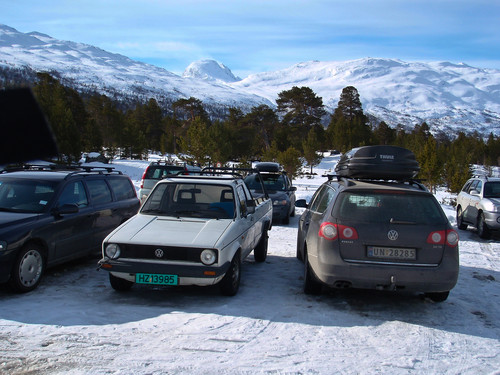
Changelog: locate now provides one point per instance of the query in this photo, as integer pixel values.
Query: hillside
(450, 97)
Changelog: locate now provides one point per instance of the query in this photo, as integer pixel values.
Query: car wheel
(230, 283)
(482, 229)
(311, 285)
(260, 251)
(438, 296)
(460, 219)
(28, 269)
(119, 284)
(292, 214)
(298, 253)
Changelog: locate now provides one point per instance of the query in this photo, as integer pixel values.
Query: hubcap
(30, 268)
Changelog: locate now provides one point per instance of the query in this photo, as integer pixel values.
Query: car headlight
(3, 245)
(280, 202)
(112, 251)
(491, 207)
(208, 257)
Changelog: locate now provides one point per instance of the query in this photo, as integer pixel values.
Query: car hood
(171, 231)
(9, 219)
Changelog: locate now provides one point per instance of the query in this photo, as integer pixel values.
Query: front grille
(157, 252)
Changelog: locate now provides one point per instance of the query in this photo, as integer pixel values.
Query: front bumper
(492, 220)
(281, 211)
(196, 274)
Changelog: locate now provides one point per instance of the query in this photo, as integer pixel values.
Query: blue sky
(265, 35)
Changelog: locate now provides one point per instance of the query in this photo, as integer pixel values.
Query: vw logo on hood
(159, 253)
(392, 235)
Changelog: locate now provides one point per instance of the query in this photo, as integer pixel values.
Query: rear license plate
(391, 253)
(156, 279)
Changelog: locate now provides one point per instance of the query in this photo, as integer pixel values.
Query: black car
(50, 215)
(375, 232)
(278, 187)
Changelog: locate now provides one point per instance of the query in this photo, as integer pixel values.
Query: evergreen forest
(292, 133)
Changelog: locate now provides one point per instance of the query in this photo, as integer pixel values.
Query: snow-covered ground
(75, 323)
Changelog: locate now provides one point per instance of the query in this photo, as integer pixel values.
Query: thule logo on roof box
(387, 157)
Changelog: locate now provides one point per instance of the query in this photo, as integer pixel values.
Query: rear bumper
(440, 278)
(187, 274)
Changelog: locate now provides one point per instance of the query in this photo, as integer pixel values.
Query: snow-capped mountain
(210, 70)
(449, 97)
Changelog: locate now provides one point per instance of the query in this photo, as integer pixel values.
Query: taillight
(331, 231)
(143, 177)
(450, 237)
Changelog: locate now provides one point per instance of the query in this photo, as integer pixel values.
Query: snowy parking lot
(75, 323)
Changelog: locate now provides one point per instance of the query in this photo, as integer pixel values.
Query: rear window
(161, 171)
(122, 188)
(390, 206)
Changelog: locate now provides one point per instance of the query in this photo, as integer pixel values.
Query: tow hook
(392, 286)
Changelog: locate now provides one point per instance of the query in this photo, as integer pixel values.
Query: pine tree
(311, 146)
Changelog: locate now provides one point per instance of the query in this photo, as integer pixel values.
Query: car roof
(57, 173)
(196, 179)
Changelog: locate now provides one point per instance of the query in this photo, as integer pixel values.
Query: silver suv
(478, 204)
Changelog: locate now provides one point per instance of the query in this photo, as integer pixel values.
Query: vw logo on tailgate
(392, 235)
(159, 253)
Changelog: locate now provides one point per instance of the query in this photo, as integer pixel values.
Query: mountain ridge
(448, 96)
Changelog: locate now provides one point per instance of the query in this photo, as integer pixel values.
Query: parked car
(191, 230)
(478, 204)
(50, 215)
(158, 170)
(278, 187)
(377, 234)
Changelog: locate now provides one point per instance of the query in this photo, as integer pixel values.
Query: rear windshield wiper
(396, 221)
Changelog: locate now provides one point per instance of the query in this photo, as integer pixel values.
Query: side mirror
(66, 209)
(474, 192)
(301, 203)
(293, 188)
(250, 210)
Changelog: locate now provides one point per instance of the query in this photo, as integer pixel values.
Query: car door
(71, 233)
(106, 213)
(472, 201)
(245, 223)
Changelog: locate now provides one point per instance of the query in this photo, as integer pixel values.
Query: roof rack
(349, 180)
(221, 173)
(76, 168)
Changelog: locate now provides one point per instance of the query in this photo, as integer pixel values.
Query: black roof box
(267, 166)
(378, 162)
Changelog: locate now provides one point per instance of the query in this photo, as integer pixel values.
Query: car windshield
(191, 200)
(492, 189)
(272, 182)
(26, 196)
(389, 207)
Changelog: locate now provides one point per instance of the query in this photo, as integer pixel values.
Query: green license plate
(156, 279)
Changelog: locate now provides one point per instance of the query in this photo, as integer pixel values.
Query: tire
(482, 229)
(230, 283)
(260, 251)
(438, 296)
(311, 285)
(28, 269)
(460, 220)
(119, 284)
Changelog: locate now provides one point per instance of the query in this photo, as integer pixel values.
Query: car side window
(466, 186)
(321, 201)
(473, 186)
(74, 193)
(122, 188)
(99, 191)
(242, 200)
(325, 200)
(479, 186)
